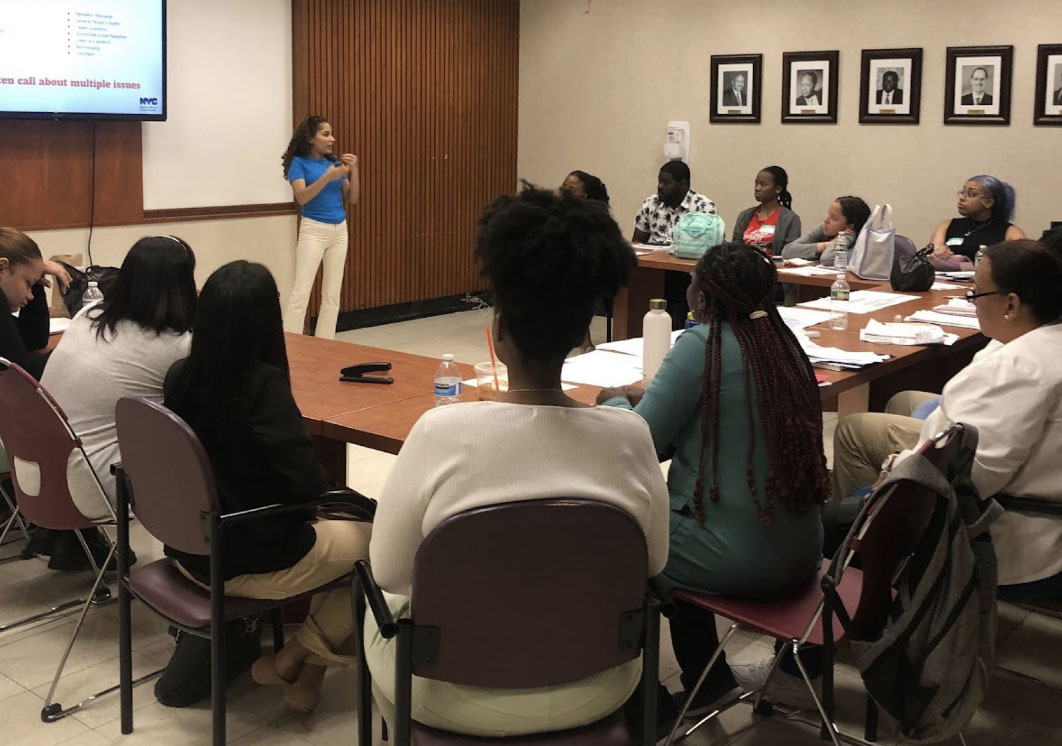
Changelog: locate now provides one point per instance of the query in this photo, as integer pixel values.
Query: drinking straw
(493, 360)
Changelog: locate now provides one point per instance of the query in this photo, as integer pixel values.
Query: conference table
(380, 416)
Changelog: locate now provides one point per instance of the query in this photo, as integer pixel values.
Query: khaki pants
(862, 442)
(327, 631)
(318, 243)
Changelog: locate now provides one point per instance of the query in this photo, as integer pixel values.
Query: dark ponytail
(781, 178)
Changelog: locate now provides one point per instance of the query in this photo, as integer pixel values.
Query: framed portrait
(1048, 85)
(809, 87)
(735, 89)
(977, 87)
(890, 86)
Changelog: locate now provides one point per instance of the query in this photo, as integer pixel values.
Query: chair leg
(830, 726)
(53, 711)
(870, 730)
(278, 628)
(759, 705)
(697, 687)
(14, 520)
(364, 676)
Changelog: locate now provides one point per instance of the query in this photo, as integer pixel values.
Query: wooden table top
(380, 417)
(664, 260)
(315, 365)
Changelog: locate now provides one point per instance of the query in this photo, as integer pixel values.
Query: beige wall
(269, 240)
(597, 91)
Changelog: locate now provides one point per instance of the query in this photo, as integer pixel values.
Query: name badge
(957, 241)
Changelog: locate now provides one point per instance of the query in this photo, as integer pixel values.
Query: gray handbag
(875, 247)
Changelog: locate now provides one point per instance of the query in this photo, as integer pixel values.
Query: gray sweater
(788, 228)
(804, 247)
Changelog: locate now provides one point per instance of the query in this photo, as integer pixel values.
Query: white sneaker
(785, 689)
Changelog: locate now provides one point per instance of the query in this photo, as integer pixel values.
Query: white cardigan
(1013, 394)
(464, 456)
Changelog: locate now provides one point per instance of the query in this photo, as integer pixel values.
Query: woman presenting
(323, 185)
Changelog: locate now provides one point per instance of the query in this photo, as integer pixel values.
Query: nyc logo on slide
(148, 104)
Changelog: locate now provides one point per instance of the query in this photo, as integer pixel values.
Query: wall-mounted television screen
(83, 59)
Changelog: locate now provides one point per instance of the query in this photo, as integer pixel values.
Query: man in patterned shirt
(657, 219)
(661, 211)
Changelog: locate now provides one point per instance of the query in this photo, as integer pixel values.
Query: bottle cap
(658, 304)
(448, 357)
(93, 284)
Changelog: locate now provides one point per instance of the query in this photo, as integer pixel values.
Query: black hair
(1002, 194)
(895, 75)
(237, 326)
(300, 141)
(155, 288)
(1032, 271)
(548, 258)
(595, 188)
(677, 169)
(738, 284)
(855, 211)
(781, 178)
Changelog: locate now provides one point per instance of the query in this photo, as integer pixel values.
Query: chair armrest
(1029, 505)
(374, 597)
(344, 495)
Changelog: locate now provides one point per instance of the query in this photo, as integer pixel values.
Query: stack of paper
(58, 325)
(863, 301)
(965, 274)
(642, 248)
(603, 368)
(798, 262)
(948, 319)
(807, 271)
(633, 346)
(801, 318)
(944, 286)
(958, 307)
(905, 334)
(835, 357)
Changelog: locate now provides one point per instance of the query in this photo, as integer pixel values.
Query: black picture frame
(725, 68)
(819, 70)
(904, 66)
(993, 66)
(1048, 101)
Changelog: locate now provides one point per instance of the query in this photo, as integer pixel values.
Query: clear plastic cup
(487, 383)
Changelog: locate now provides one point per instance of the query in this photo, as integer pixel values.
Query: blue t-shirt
(327, 206)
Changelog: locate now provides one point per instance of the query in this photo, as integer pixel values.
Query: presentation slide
(89, 57)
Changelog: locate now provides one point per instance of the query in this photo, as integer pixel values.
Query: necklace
(977, 227)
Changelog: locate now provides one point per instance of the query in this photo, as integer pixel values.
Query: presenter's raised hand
(336, 171)
(349, 160)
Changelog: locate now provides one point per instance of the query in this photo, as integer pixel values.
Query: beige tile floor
(1016, 711)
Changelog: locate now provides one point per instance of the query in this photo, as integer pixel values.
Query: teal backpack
(695, 233)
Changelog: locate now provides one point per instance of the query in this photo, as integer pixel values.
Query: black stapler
(359, 373)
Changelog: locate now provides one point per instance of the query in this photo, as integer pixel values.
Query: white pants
(317, 240)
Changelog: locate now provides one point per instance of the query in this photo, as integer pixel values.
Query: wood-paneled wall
(48, 170)
(425, 92)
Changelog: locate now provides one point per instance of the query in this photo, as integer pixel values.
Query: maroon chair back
(35, 431)
(169, 472)
(899, 517)
(530, 594)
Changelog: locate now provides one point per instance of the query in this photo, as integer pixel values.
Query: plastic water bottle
(980, 254)
(656, 338)
(839, 297)
(447, 382)
(840, 252)
(91, 294)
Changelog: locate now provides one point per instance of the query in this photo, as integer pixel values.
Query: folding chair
(840, 601)
(55, 488)
(490, 608)
(165, 479)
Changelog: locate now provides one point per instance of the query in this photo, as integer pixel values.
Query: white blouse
(1012, 394)
(464, 456)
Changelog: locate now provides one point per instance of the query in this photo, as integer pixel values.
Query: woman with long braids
(737, 403)
(323, 185)
(771, 224)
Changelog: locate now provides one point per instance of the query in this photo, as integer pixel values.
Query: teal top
(732, 552)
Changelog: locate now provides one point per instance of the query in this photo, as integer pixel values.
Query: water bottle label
(448, 388)
(840, 294)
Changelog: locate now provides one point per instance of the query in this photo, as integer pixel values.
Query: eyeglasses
(972, 296)
(968, 195)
